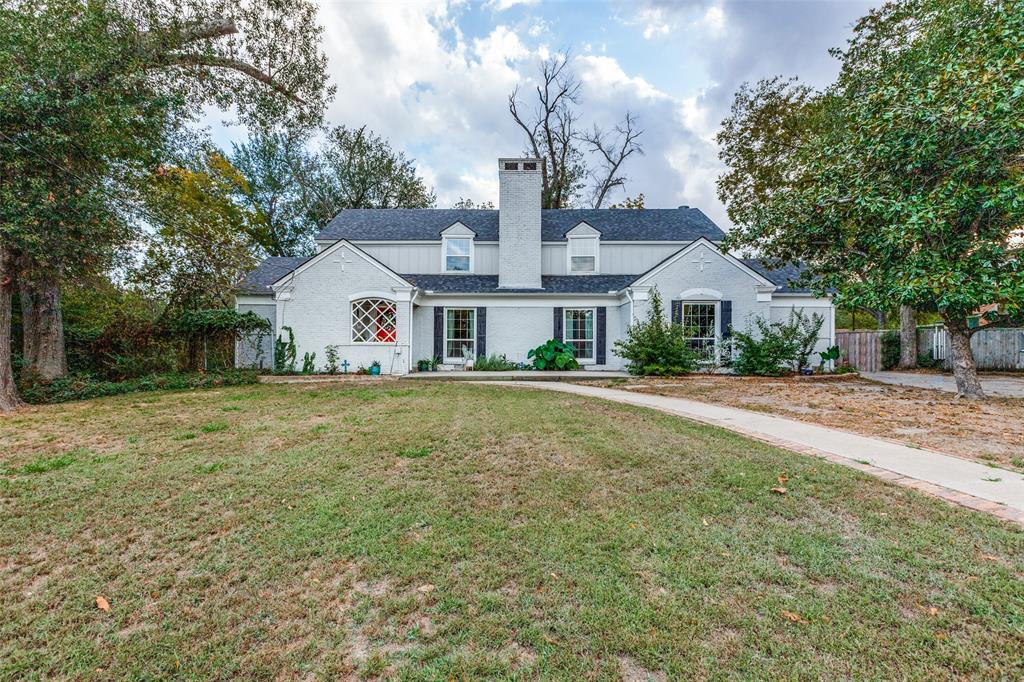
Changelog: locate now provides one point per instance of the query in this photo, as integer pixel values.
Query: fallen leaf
(793, 617)
(425, 589)
(779, 491)
(933, 611)
(783, 478)
(941, 635)
(102, 604)
(705, 522)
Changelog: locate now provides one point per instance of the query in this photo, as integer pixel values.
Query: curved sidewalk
(997, 491)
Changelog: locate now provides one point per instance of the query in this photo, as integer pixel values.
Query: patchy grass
(546, 535)
(990, 430)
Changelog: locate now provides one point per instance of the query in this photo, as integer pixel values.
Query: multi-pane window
(457, 254)
(583, 254)
(578, 332)
(460, 333)
(374, 320)
(699, 323)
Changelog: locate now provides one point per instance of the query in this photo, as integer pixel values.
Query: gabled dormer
(457, 246)
(583, 250)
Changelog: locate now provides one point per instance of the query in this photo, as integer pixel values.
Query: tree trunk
(9, 399)
(43, 325)
(908, 337)
(965, 371)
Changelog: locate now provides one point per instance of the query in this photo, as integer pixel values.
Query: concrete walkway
(996, 491)
(1006, 386)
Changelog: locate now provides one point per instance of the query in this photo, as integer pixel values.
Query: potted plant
(375, 368)
(434, 362)
(423, 365)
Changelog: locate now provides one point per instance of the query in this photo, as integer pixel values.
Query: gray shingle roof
(552, 284)
(402, 224)
(266, 273)
(786, 276)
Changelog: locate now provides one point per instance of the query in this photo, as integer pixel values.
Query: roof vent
(684, 207)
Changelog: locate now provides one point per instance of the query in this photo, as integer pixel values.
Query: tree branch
(217, 62)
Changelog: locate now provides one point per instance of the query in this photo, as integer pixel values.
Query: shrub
(331, 353)
(554, 355)
(767, 349)
(890, 349)
(284, 353)
(656, 347)
(308, 363)
(85, 386)
(493, 363)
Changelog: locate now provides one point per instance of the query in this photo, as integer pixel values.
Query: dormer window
(583, 253)
(458, 254)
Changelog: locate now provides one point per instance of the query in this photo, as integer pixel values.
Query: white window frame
(352, 321)
(593, 341)
(444, 254)
(597, 255)
(457, 359)
(716, 338)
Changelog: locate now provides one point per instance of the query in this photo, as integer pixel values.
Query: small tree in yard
(655, 346)
(901, 184)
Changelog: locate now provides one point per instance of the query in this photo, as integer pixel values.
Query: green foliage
(85, 386)
(217, 321)
(331, 354)
(553, 355)
(284, 352)
(831, 354)
(308, 363)
(493, 363)
(41, 466)
(804, 331)
(890, 349)
(656, 347)
(902, 182)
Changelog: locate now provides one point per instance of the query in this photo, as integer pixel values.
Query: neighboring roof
(551, 284)
(786, 276)
(266, 273)
(615, 224)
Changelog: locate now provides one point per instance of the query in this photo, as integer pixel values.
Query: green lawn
(440, 531)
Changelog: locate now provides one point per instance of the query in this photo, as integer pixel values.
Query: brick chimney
(519, 190)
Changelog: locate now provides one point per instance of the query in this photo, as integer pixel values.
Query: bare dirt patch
(990, 431)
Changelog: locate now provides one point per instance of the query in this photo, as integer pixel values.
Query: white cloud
(502, 5)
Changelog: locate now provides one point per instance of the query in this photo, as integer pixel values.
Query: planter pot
(374, 370)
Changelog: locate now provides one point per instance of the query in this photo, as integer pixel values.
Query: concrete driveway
(1001, 385)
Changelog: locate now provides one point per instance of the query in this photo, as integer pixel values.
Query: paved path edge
(957, 497)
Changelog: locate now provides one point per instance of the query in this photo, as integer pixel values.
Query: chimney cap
(520, 164)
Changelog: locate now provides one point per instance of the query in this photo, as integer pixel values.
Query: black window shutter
(600, 338)
(481, 332)
(726, 319)
(439, 332)
(558, 324)
(677, 312)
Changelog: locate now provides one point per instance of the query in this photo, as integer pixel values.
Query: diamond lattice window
(374, 320)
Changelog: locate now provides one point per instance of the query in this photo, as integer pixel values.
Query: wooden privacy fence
(862, 350)
(993, 348)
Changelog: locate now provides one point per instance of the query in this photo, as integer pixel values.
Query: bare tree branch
(614, 149)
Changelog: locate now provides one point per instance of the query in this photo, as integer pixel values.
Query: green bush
(554, 355)
(493, 363)
(890, 349)
(767, 349)
(656, 347)
(85, 386)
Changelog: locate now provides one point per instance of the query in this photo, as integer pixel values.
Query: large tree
(93, 94)
(900, 184)
(550, 124)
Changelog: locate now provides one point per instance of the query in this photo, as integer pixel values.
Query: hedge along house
(400, 285)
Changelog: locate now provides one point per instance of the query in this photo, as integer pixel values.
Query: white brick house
(400, 285)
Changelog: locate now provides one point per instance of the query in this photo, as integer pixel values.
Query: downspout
(629, 297)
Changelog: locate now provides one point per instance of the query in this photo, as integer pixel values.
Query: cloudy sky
(433, 76)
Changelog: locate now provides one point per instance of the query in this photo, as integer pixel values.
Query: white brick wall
(319, 311)
(519, 250)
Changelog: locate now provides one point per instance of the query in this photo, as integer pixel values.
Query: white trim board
(341, 243)
(707, 243)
